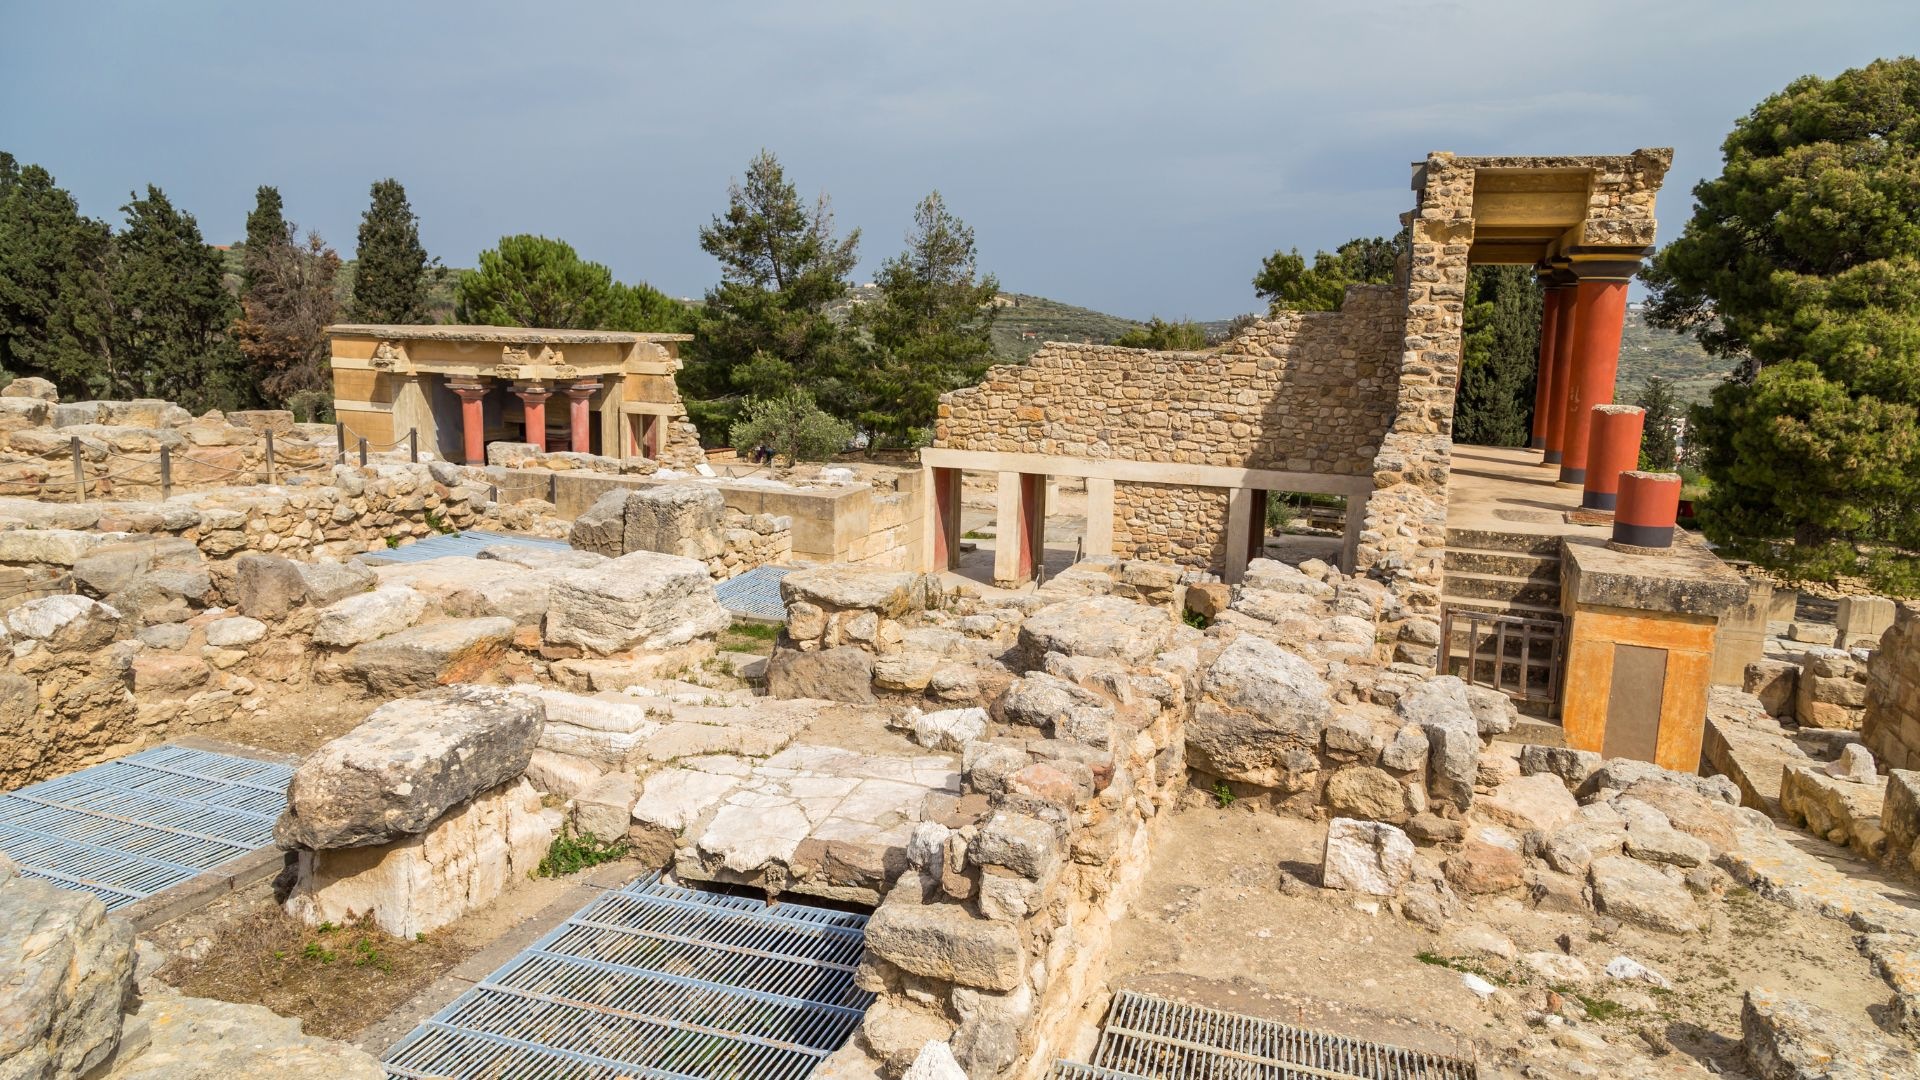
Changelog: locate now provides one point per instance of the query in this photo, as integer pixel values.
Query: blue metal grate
(756, 593)
(146, 822)
(469, 544)
(659, 981)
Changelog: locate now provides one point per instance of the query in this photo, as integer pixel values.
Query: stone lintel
(1691, 581)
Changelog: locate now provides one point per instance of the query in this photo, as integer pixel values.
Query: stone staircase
(1150, 1038)
(1506, 573)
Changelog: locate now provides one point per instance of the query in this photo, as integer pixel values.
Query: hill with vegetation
(1647, 351)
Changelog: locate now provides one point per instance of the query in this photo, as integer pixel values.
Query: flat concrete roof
(506, 335)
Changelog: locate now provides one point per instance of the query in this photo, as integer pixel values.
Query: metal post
(270, 479)
(413, 445)
(493, 493)
(340, 434)
(363, 451)
(553, 488)
(79, 474)
(166, 472)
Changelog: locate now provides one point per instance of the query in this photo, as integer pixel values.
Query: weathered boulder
(237, 632)
(607, 728)
(678, 519)
(64, 623)
(644, 600)
(1367, 793)
(204, 1039)
(842, 674)
(1489, 861)
(1537, 802)
(327, 582)
(407, 764)
(1441, 707)
(1792, 1040)
(112, 568)
(463, 860)
(1259, 705)
(1572, 766)
(1775, 682)
(1059, 708)
(1639, 893)
(1366, 856)
(364, 616)
(32, 387)
(944, 940)
(1493, 712)
(1101, 626)
(267, 587)
(889, 593)
(436, 654)
(602, 527)
(948, 729)
(65, 970)
(934, 1062)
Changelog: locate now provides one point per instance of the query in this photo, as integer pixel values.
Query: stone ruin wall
(1168, 523)
(1892, 721)
(1298, 392)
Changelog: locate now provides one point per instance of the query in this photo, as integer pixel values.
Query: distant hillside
(1647, 351)
(1025, 322)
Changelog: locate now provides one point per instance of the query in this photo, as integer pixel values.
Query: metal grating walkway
(129, 828)
(756, 593)
(469, 544)
(660, 982)
(1149, 1038)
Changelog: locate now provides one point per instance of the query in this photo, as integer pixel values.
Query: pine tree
(56, 306)
(1803, 259)
(1500, 357)
(535, 281)
(392, 271)
(1659, 443)
(266, 232)
(931, 327)
(766, 327)
(1288, 283)
(172, 313)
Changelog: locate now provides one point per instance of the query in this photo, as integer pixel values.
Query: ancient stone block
(1369, 857)
(435, 654)
(66, 968)
(944, 940)
(643, 600)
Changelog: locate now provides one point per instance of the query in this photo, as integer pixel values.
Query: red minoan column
(533, 405)
(1649, 505)
(1612, 448)
(1599, 313)
(580, 422)
(1543, 379)
(1563, 331)
(473, 421)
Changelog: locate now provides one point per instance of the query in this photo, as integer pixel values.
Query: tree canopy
(56, 298)
(766, 326)
(287, 300)
(1803, 258)
(1659, 443)
(1500, 357)
(930, 330)
(391, 269)
(1157, 333)
(536, 281)
(1286, 281)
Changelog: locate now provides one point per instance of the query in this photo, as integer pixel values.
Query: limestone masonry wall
(1171, 524)
(1300, 392)
(1892, 723)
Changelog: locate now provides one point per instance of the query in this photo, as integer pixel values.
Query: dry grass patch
(336, 979)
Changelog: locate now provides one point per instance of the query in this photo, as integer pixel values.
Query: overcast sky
(1138, 158)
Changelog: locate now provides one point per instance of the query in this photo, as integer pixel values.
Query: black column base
(1598, 500)
(1647, 536)
(1571, 475)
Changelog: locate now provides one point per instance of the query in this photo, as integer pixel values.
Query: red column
(1612, 449)
(580, 423)
(1649, 506)
(1599, 313)
(1564, 328)
(533, 404)
(473, 422)
(1543, 380)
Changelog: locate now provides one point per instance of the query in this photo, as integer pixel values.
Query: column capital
(1605, 264)
(465, 387)
(532, 393)
(583, 388)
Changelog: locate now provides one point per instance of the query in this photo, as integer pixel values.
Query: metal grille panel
(130, 828)
(659, 981)
(1154, 1038)
(466, 544)
(756, 593)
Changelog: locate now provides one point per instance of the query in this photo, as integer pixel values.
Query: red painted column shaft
(1543, 379)
(533, 404)
(1600, 312)
(580, 422)
(1649, 506)
(473, 423)
(1563, 332)
(1613, 448)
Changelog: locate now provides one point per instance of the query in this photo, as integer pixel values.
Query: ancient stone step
(1537, 591)
(1487, 540)
(1508, 563)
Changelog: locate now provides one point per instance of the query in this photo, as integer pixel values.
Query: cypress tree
(266, 232)
(390, 276)
(55, 304)
(1500, 357)
(1659, 449)
(173, 311)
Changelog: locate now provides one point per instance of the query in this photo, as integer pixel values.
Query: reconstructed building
(462, 387)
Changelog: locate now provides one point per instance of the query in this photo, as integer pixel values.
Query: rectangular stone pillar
(1099, 515)
(1863, 619)
(1008, 528)
(413, 411)
(1239, 523)
(1742, 637)
(1355, 525)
